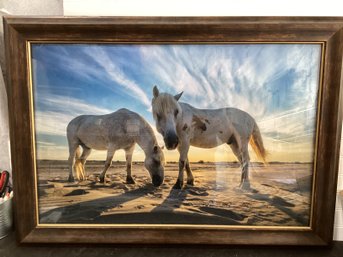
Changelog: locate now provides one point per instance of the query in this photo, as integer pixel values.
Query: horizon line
(198, 162)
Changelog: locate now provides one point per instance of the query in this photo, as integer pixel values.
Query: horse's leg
(71, 160)
(108, 162)
(182, 163)
(128, 155)
(83, 158)
(190, 178)
(245, 183)
(243, 158)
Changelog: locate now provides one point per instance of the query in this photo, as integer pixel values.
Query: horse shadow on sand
(281, 204)
(91, 211)
(177, 208)
(174, 209)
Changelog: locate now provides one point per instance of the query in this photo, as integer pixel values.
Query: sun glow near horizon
(221, 153)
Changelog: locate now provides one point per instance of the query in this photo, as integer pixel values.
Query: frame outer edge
(16, 76)
(16, 35)
(330, 127)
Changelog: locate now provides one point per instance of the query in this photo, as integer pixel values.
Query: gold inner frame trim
(176, 226)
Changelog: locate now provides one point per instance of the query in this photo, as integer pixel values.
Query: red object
(4, 178)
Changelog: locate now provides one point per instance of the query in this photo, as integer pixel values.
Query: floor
(9, 248)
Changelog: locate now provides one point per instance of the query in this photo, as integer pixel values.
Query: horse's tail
(256, 143)
(79, 169)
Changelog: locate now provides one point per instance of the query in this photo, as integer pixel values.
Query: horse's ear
(177, 97)
(155, 91)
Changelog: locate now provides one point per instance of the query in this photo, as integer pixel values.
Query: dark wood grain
(20, 132)
(9, 247)
(160, 235)
(327, 30)
(329, 138)
(181, 29)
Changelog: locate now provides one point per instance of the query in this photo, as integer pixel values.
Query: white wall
(203, 8)
(338, 233)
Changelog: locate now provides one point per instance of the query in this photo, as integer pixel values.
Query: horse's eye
(176, 112)
(157, 162)
(158, 117)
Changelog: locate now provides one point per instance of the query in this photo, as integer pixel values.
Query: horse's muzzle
(171, 141)
(157, 180)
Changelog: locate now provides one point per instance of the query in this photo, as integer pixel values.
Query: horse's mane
(163, 103)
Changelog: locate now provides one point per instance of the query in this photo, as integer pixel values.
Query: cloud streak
(239, 76)
(114, 73)
(57, 111)
(93, 63)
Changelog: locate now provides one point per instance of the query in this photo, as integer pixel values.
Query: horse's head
(154, 163)
(167, 111)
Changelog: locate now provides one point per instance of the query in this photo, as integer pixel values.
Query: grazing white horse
(182, 125)
(118, 130)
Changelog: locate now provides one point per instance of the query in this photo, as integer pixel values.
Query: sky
(277, 84)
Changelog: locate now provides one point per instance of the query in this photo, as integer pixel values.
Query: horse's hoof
(245, 186)
(102, 179)
(190, 182)
(129, 180)
(178, 185)
(71, 179)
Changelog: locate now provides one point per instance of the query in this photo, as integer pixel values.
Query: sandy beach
(280, 195)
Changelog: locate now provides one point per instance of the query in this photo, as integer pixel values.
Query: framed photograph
(202, 130)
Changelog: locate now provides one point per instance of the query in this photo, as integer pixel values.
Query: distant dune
(280, 195)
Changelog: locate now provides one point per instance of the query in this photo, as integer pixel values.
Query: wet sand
(280, 195)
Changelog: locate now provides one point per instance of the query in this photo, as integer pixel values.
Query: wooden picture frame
(21, 31)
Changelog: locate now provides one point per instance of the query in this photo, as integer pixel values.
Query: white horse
(182, 125)
(118, 130)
